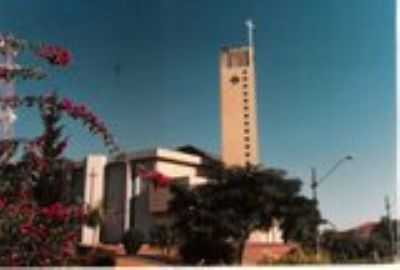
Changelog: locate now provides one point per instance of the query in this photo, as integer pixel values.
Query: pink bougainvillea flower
(66, 104)
(71, 236)
(56, 212)
(25, 209)
(54, 55)
(42, 231)
(26, 228)
(78, 213)
(157, 178)
(2, 203)
(4, 73)
(161, 180)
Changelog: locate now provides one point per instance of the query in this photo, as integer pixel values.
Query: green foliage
(102, 260)
(94, 217)
(163, 236)
(237, 202)
(90, 256)
(301, 221)
(133, 240)
(351, 247)
(344, 247)
(200, 250)
(383, 237)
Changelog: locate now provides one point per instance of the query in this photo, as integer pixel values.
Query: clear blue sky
(325, 75)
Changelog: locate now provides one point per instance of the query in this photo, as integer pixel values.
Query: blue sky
(325, 76)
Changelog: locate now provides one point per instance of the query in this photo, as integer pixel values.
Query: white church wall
(272, 236)
(93, 193)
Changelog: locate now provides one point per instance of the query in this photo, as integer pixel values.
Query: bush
(133, 240)
(94, 217)
(90, 256)
(163, 236)
(204, 251)
(102, 260)
(299, 256)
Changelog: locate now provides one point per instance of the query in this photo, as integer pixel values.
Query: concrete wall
(93, 193)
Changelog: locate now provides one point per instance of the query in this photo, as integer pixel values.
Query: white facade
(93, 193)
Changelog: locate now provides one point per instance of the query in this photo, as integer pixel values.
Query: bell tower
(239, 133)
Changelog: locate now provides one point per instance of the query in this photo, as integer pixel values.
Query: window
(246, 115)
(238, 59)
(247, 139)
(247, 154)
(247, 146)
(245, 85)
(245, 93)
(244, 71)
(247, 131)
(234, 80)
(245, 100)
(246, 123)
(246, 108)
(244, 78)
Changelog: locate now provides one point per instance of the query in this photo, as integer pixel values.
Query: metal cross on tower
(251, 27)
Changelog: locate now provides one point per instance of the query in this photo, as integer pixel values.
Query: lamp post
(316, 182)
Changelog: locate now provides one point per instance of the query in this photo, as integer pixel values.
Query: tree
(345, 247)
(163, 237)
(235, 202)
(383, 238)
(352, 246)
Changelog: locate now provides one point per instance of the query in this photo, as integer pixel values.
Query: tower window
(245, 93)
(247, 146)
(246, 123)
(246, 138)
(245, 100)
(244, 78)
(247, 131)
(247, 154)
(245, 85)
(246, 115)
(234, 79)
(238, 59)
(246, 108)
(244, 71)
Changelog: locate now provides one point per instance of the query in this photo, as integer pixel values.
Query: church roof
(191, 149)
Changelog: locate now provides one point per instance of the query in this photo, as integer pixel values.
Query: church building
(131, 203)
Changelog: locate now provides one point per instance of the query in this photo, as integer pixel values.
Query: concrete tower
(239, 131)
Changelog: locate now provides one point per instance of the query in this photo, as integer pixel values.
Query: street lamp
(315, 183)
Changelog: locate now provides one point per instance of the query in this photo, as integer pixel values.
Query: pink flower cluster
(158, 179)
(2, 203)
(80, 111)
(39, 232)
(4, 73)
(56, 212)
(54, 55)
(51, 231)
